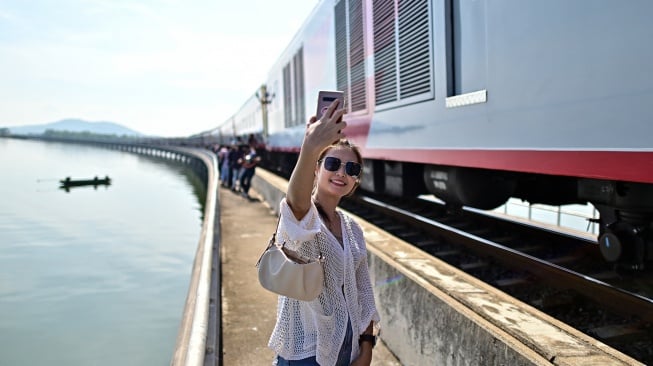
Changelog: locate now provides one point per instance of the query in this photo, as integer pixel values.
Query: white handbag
(285, 272)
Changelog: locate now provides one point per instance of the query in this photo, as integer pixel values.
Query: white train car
(479, 101)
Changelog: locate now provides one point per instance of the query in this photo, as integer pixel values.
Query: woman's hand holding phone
(322, 132)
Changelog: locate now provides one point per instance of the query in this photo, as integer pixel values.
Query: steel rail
(618, 300)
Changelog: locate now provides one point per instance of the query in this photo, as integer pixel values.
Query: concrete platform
(248, 310)
(435, 314)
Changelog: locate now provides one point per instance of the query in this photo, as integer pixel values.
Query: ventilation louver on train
(414, 61)
(402, 51)
(401, 70)
(350, 53)
(385, 52)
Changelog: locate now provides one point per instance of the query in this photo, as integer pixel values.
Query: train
(547, 101)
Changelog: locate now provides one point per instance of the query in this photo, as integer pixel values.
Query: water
(92, 276)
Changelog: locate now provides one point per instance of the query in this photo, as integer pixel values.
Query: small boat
(67, 183)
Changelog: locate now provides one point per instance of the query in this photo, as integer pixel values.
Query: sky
(160, 67)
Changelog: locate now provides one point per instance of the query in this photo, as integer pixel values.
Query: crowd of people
(237, 163)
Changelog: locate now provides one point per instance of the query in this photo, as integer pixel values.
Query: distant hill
(75, 125)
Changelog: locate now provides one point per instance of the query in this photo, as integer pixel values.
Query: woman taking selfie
(337, 327)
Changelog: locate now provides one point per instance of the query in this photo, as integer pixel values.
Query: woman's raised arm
(319, 134)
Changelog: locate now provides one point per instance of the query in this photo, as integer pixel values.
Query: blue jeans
(343, 356)
(305, 362)
(246, 179)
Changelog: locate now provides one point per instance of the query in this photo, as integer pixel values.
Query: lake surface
(92, 276)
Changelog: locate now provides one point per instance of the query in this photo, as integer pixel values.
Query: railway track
(562, 275)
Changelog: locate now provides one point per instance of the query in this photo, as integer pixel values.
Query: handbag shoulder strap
(273, 239)
(274, 234)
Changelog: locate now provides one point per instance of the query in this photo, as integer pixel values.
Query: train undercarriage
(626, 209)
(626, 229)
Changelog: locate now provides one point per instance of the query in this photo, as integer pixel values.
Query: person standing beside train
(248, 167)
(337, 327)
(223, 163)
(234, 166)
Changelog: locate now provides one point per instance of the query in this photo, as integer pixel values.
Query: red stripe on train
(612, 165)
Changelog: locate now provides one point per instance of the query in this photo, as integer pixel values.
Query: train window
(403, 64)
(467, 54)
(298, 74)
(287, 97)
(293, 90)
(350, 53)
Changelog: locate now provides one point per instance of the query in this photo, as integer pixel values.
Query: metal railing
(198, 340)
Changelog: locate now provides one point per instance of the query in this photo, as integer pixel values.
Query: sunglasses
(333, 164)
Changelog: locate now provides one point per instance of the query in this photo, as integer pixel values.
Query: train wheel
(624, 244)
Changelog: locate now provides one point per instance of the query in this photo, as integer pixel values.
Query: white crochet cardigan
(317, 328)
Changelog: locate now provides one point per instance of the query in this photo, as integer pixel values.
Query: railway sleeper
(556, 300)
(469, 266)
(564, 259)
(621, 333)
(410, 235)
(513, 282)
(445, 253)
(426, 243)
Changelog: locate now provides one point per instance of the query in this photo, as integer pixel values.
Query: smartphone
(325, 98)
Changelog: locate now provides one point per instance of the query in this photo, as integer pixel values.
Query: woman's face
(337, 182)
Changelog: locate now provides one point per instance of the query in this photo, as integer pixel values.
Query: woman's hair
(346, 144)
